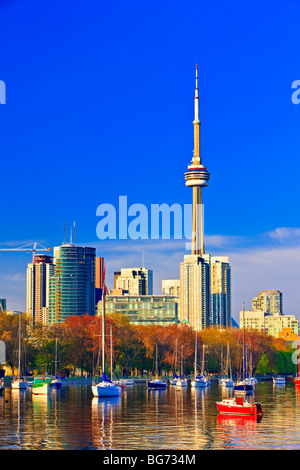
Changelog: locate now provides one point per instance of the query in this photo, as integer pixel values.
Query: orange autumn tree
(80, 341)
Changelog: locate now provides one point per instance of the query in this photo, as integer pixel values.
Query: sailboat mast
(103, 332)
(195, 368)
(19, 365)
(111, 356)
(244, 353)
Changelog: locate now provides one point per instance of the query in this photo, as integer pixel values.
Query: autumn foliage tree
(134, 347)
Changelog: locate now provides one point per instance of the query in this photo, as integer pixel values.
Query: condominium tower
(270, 301)
(72, 288)
(136, 281)
(39, 273)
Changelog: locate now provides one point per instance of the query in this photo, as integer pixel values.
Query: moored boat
(227, 383)
(157, 384)
(55, 383)
(19, 383)
(106, 388)
(243, 387)
(41, 386)
(181, 383)
(239, 406)
(278, 380)
(174, 380)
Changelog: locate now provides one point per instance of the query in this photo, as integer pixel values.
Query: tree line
(137, 349)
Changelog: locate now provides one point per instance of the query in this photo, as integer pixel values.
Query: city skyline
(60, 118)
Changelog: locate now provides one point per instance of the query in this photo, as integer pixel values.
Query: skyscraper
(270, 301)
(99, 281)
(137, 281)
(3, 305)
(72, 288)
(205, 286)
(39, 273)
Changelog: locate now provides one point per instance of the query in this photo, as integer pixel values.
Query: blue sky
(99, 103)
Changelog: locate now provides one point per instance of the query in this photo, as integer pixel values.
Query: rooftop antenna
(74, 232)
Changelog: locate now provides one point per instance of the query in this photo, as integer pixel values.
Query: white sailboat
(242, 386)
(227, 381)
(181, 382)
(55, 383)
(251, 380)
(175, 379)
(199, 381)
(105, 388)
(157, 383)
(19, 383)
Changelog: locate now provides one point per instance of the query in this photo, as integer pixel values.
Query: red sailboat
(239, 406)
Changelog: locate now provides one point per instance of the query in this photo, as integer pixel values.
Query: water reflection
(71, 418)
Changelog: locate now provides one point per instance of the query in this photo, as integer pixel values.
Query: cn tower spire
(197, 177)
(197, 123)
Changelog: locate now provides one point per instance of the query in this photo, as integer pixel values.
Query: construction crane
(35, 247)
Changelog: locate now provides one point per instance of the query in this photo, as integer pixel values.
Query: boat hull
(56, 385)
(173, 381)
(227, 383)
(199, 383)
(229, 407)
(19, 385)
(157, 385)
(243, 387)
(106, 390)
(41, 388)
(181, 384)
(279, 381)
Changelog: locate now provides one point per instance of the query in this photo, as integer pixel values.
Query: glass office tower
(72, 288)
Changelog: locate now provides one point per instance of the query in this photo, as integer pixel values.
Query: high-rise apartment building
(195, 301)
(3, 305)
(39, 273)
(136, 281)
(99, 278)
(205, 281)
(171, 287)
(220, 287)
(270, 301)
(72, 288)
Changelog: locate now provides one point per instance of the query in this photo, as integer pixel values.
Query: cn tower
(197, 177)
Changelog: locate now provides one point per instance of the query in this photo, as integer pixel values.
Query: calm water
(186, 419)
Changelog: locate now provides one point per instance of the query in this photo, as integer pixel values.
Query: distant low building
(287, 334)
(143, 309)
(273, 324)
